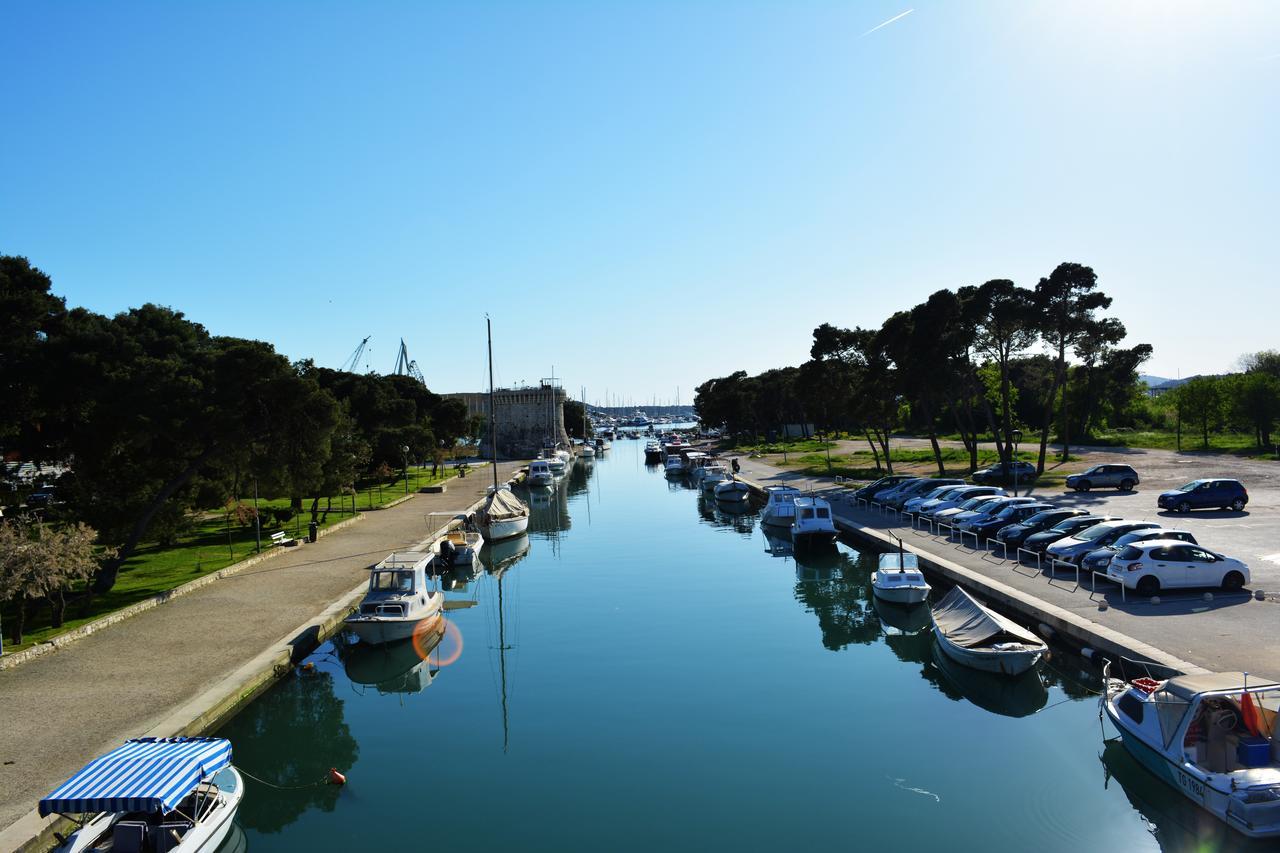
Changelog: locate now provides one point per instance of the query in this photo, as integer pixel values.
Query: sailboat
(502, 515)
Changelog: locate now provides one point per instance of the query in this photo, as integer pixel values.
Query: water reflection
(235, 842)
(500, 556)
(549, 511)
(903, 618)
(392, 668)
(835, 589)
(1176, 824)
(1010, 697)
(296, 732)
(738, 515)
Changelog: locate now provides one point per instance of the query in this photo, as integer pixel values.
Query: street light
(404, 455)
(1016, 435)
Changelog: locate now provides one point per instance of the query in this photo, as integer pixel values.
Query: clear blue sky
(642, 194)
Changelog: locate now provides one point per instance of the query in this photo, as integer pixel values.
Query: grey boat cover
(502, 505)
(967, 623)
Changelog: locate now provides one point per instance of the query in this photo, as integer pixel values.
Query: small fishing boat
(976, 636)
(674, 466)
(780, 505)
(898, 579)
(694, 461)
(587, 451)
(732, 490)
(464, 541)
(713, 473)
(812, 526)
(557, 463)
(652, 453)
(603, 443)
(540, 473)
(1213, 736)
(168, 795)
(398, 600)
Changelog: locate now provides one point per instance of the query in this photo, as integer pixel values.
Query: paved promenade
(63, 709)
(1231, 632)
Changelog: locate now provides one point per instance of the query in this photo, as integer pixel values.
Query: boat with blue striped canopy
(151, 795)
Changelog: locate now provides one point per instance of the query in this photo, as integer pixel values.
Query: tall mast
(493, 428)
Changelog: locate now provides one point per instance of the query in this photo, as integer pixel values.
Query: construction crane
(406, 366)
(352, 363)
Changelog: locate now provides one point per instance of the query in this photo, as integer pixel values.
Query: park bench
(281, 538)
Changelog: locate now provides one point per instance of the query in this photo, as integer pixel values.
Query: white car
(1160, 564)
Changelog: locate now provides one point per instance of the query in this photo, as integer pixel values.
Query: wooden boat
(398, 601)
(1213, 736)
(169, 795)
(976, 636)
(898, 579)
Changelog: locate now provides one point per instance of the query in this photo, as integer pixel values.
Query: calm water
(661, 674)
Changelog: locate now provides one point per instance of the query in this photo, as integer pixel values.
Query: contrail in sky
(886, 23)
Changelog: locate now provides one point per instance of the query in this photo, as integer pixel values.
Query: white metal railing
(950, 530)
(1004, 547)
(1093, 584)
(1038, 555)
(977, 538)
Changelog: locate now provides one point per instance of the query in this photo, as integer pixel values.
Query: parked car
(1160, 564)
(43, 497)
(986, 526)
(961, 494)
(1097, 561)
(970, 507)
(914, 504)
(1040, 542)
(906, 492)
(988, 507)
(1121, 477)
(1003, 472)
(883, 483)
(1074, 548)
(1015, 534)
(908, 486)
(1199, 494)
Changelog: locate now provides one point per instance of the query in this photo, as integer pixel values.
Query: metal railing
(1038, 555)
(1093, 584)
(977, 539)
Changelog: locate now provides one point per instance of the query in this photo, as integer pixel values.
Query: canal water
(646, 671)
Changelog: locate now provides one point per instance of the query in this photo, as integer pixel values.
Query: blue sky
(642, 195)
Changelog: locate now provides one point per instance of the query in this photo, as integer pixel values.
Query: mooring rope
(244, 772)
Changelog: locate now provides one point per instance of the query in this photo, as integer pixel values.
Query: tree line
(159, 420)
(988, 362)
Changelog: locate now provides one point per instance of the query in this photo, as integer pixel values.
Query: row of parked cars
(1141, 555)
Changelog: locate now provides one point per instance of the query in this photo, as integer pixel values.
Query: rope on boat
(324, 781)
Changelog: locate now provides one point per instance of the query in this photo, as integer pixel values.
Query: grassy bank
(861, 465)
(214, 542)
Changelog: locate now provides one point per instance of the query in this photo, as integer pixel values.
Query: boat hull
(1000, 662)
(900, 594)
(814, 539)
(381, 631)
(496, 531)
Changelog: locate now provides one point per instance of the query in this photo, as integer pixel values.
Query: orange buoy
(336, 778)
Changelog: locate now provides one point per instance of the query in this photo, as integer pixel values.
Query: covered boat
(398, 602)
(502, 515)
(976, 636)
(732, 490)
(1213, 736)
(898, 579)
(152, 794)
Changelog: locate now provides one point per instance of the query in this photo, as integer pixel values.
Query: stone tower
(526, 417)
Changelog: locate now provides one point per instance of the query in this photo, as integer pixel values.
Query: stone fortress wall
(526, 418)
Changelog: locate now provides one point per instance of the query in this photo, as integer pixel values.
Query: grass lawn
(860, 464)
(213, 544)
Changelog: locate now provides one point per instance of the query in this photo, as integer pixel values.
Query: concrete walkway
(63, 709)
(1231, 632)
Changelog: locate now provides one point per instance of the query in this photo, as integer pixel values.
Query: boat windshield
(1219, 722)
(391, 581)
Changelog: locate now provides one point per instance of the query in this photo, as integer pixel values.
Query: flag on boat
(142, 775)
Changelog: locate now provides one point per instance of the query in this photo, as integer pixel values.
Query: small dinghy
(975, 636)
(732, 491)
(168, 795)
(398, 601)
(898, 579)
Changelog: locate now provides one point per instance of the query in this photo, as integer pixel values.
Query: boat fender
(1046, 631)
(308, 668)
(1087, 653)
(336, 778)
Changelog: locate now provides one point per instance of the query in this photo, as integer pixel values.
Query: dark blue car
(1205, 494)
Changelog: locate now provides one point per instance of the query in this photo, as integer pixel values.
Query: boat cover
(502, 505)
(142, 775)
(967, 623)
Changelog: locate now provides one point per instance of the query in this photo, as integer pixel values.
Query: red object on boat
(336, 778)
(1146, 685)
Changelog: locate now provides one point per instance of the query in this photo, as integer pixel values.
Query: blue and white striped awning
(143, 775)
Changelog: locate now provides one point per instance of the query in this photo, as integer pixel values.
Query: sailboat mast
(493, 427)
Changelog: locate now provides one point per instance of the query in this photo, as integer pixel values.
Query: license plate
(1191, 785)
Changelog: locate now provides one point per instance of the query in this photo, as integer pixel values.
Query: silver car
(1121, 477)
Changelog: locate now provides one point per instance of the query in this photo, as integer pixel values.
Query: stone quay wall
(526, 418)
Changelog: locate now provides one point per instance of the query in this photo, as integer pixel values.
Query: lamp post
(404, 455)
(1016, 435)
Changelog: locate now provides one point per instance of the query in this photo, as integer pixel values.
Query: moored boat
(976, 636)
(464, 544)
(732, 490)
(713, 473)
(502, 515)
(169, 795)
(539, 473)
(397, 601)
(587, 450)
(780, 505)
(652, 453)
(1213, 736)
(898, 579)
(812, 526)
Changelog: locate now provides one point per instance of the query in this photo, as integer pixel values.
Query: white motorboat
(694, 462)
(976, 636)
(169, 795)
(464, 543)
(1214, 736)
(587, 451)
(540, 473)
(732, 490)
(898, 579)
(674, 466)
(398, 601)
(780, 505)
(557, 463)
(652, 453)
(812, 525)
(712, 474)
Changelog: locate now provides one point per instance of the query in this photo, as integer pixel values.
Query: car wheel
(1238, 505)
(1126, 485)
(1149, 585)
(1184, 507)
(1233, 582)
(1084, 486)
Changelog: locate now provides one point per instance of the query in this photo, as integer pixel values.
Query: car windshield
(937, 493)
(1042, 517)
(1073, 524)
(974, 503)
(1095, 532)
(1189, 486)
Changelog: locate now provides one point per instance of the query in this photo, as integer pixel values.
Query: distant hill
(1152, 381)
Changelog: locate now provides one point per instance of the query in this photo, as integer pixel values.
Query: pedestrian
(736, 467)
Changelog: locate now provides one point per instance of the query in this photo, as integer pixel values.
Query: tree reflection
(838, 596)
(294, 735)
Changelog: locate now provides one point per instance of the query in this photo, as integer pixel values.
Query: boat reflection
(235, 842)
(1177, 825)
(903, 618)
(500, 556)
(739, 516)
(403, 667)
(1019, 696)
(549, 511)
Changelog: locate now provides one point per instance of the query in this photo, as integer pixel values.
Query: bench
(281, 538)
